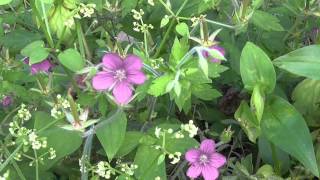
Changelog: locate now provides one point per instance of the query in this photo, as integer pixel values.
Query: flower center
(120, 74)
(204, 159)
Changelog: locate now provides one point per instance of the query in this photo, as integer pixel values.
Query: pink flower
(119, 75)
(216, 47)
(204, 161)
(6, 101)
(43, 66)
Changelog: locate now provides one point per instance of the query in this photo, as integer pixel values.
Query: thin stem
(146, 44)
(37, 164)
(49, 125)
(46, 21)
(165, 38)
(219, 24)
(167, 7)
(3, 165)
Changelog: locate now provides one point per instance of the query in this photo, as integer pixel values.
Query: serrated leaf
(159, 85)
(205, 92)
(284, 126)
(266, 21)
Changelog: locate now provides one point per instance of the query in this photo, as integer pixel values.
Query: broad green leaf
(64, 142)
(182, 29)
(306, 97)
(4, 2)
(284, 126)
(147, 161)
(257, 68)
(18, 39)
(127, 6)
(179, 49)
(130, 142)
(257, 101)
(248, 121)
(303, 62)
(42, 119)
(36, 52)
(205, 92)
(59, 15)
(111, 133)
(71, 59)
(159, 85)
(266, 21)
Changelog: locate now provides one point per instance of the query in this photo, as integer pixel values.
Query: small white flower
(151, 2)
(157, 132)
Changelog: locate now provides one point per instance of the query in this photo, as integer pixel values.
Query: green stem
(46, 22)
(165, 38)
(3, 165)
(37, 164)
(14, 164)
(219, 24)
(275, 159)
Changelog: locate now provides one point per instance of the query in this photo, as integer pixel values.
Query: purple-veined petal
(133, 62)
(103, 81)
(43, 66)
(136, 77)
(210, 173)
(192, 155)
(112, 61)
(194, 171)
(122, 93)
(207, 146)
(217, 160)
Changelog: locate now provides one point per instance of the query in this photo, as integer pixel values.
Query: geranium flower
(119, 75)
(43, 66)
(6, 101)
(204, 161)
(216, 47)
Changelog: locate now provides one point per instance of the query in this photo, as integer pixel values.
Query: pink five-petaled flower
(216, 47)
(119, 75)
(43, 66)
(204, 161)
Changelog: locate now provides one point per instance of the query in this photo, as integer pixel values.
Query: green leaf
(306, 97)
(72, 60)
(266, 21)
(36, 52)
(248, 121)
(111, 133)
(159, 85)
(257, 3)
(283, 125)
(205, 92)
(64, 142)
(257, 101)
(58, 16)
(164, 22)
(303, 62)
(42, 119)
(203, 65)
(18, 39)
(4, 2)
(130, 142)
(182, 29)
(257, 68)
(127, 6)
(179, 49)
(147, 161)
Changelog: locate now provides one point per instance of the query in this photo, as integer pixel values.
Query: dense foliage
(159, 89)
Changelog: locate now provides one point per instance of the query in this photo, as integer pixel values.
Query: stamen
(120, 74)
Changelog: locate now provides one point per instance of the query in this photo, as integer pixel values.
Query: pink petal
(103, 81)
(194, 171)
(136, 77)
(207, 146)
(122, 93)
(192, 155)
(43, 66)
(210, 173)
(132, 62)
(112, 61)
(217, 160)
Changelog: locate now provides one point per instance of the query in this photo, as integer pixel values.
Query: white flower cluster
(190, 128)
(103, 170)
(87, 9)
(155, 63)
(52, 153)
(24, 113)
(175, 158)
(17, 131)
(128, 168)
(157, 178)
(36, 142)
(58, 108)
(160, 132)
(140, 26)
